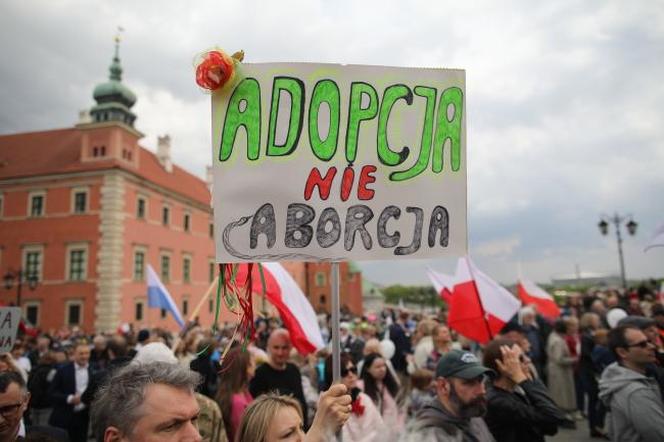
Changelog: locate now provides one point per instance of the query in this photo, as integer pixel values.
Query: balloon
(387, 348)
(614, 316)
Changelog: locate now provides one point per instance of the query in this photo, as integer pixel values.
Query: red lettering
(323, 184)
(366, 177)
(347, 182)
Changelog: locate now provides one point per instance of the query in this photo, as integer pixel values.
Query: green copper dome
(114, 99)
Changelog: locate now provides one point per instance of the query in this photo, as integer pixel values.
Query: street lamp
(19, 277)
(616, 220)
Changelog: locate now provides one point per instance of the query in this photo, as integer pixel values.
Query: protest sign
(336, 162)
(9, 319)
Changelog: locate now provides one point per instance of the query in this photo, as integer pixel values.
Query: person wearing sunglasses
(636, 410)
(365, 423)
(14, 398)
(519, 406)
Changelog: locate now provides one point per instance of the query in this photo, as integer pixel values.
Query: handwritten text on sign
(332, 162)
(9, 319)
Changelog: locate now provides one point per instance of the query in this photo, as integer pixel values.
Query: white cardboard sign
(9, 319)
(319, 162)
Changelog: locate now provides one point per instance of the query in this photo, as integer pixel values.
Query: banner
(9, 319)
(323, 162)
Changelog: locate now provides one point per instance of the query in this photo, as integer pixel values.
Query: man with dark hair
(14, 398)
(70, 382)
(636, 411)
(148, 402)
(455, 413)
(519, 406)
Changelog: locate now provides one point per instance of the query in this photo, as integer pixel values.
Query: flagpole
(479, 298)
(203, 299)
(336, 344)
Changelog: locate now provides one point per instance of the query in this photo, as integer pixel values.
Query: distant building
(583, 279)
(85, 209)
(372, 297)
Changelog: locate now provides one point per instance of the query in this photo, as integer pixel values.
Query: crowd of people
(404, 377)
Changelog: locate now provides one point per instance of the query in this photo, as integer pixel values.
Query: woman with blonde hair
(272, 417)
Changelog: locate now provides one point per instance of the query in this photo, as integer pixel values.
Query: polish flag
(443, 284)
(531, 294)
(294, 309)
(479, 307)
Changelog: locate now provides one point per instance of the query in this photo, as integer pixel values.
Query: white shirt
(81, 373)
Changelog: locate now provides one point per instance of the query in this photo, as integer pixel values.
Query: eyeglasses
(8, 410)
(345, 371)
(642, 344)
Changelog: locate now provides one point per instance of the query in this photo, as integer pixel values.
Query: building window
(139, 265)
(165, 268)
(74, 313)
(185, 307)
(211, 232)
(140, 208)
(37, 205)
(163, 313)
(186, 222)
(80, 201)
(212, 271)
(32, 314)
(32, 264)
(138, 312)
(211, 305)
(320, 279)
(103, 150)
(322, 299)
(95, 151)
(77, 264)
(165, 215)
(186, 269)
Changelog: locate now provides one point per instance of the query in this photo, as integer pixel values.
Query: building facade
(84, 210)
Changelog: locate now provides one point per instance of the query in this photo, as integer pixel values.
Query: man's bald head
(279, 346)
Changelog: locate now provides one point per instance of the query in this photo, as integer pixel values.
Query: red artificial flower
(214, 70)
(356, 407)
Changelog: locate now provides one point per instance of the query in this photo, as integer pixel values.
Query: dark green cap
(461, 364)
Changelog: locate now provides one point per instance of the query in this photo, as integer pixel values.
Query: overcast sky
(565, 101)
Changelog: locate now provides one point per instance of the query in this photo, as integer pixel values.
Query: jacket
(636, 411)
(527, 414)
(435, 423)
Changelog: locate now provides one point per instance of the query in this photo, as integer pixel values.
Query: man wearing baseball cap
(456, 412)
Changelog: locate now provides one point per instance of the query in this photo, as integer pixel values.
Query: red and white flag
(531, 294)
(294, 309)
(479, 306)
(443, 284)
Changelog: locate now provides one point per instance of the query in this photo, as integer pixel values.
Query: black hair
(560, 326)
(10, 377)
(370, 387)
(617, 338)
(344, 359)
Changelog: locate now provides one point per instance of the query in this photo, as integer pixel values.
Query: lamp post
(19, 276)
(616, 220)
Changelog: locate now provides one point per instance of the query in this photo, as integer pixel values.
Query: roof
(58, 151)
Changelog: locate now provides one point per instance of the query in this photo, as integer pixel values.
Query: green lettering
(247, 94)
(295, 88)
(325, 91)
(448, 129)
(391, 95)
(420, 166)
(357, 114)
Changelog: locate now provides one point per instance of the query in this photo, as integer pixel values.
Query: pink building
(84, 210)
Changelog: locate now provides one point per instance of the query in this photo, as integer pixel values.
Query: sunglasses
(642, 344)
(347, 370)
